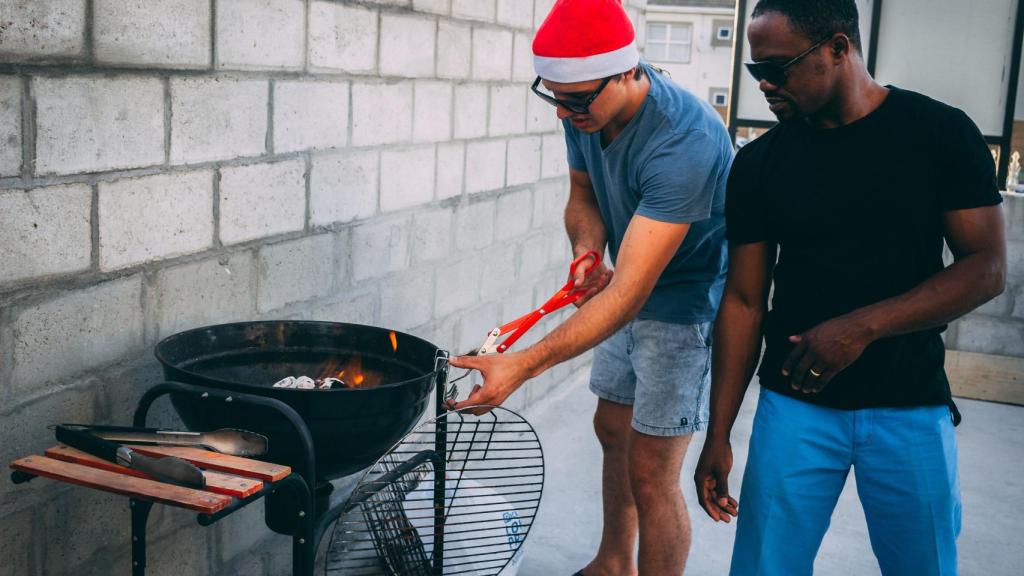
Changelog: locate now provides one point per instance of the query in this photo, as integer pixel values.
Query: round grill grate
(457, 496)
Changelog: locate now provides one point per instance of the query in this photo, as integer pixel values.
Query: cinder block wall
(998, 326)
(165, 165)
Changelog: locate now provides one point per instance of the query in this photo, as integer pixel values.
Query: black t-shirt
(856, 212)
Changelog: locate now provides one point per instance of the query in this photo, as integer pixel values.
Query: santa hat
(584, 40)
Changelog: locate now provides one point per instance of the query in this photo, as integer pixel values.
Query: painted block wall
(167, 165)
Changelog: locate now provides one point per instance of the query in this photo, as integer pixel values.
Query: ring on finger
(815, 373)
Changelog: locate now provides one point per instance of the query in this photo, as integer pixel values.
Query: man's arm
(583, 217)
(586, 232)
(978, 274)
(646, 249)
(733, 359)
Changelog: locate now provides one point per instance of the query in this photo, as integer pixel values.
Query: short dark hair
(817, 19)
(637, 72)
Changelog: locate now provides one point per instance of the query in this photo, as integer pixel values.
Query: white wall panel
(956, 51)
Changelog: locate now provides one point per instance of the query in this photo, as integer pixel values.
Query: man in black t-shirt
(845, 206)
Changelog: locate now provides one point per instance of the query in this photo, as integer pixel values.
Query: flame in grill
(351, 372)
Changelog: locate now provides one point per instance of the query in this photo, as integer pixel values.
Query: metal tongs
(516, 328)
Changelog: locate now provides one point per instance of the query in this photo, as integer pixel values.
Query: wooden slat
(986, 376)
(140, 488)
(215, 461)
(217, 482)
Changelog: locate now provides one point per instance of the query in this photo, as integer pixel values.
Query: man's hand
(978, 273)
(503, 374)
(592, 283)
(824, 351)
(712, 480)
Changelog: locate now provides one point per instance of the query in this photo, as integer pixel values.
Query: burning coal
(337, 375)
(307, 383)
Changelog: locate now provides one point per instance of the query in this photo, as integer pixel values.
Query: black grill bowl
(351, 427)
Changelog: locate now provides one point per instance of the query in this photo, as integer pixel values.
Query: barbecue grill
(351, 427)
(223, 376)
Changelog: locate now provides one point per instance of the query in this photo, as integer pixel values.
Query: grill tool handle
(88, 443)
(516, 328)
(167, 469)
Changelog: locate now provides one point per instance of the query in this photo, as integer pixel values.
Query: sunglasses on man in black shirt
(776, 74)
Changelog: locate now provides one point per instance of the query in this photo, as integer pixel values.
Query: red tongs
(516, 328)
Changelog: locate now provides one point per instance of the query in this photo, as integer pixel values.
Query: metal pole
(737, 63)
(876, 24)
(1011, 97)
(441, 468)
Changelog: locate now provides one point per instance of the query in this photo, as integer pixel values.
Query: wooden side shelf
(231, 483)
(236, 486)
(227, 477)
(127, 485)
(216, 461)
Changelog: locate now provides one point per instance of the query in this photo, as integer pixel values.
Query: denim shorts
(662, 370)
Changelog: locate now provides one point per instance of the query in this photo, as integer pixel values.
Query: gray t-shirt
(669, 164)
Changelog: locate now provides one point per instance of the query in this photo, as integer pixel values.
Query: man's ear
(840, 46)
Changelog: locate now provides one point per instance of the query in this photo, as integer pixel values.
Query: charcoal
(286, 382)
(328, 383)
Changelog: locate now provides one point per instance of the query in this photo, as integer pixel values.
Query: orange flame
(394, 341)
(351, 372)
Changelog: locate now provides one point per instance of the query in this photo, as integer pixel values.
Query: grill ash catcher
(456, 495)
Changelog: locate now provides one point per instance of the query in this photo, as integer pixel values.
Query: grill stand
(290, 506)
(294, 489)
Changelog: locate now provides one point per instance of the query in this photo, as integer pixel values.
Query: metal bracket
(441, 367)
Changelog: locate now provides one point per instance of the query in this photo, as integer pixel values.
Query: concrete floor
(568, 527)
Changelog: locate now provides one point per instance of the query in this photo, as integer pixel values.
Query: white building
(692, 40)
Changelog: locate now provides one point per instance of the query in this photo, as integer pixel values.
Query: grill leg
(140, 515)
(303, 542)
(440, 468)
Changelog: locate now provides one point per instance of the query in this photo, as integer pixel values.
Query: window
(721, 33)
(668, 42)
(719, 97)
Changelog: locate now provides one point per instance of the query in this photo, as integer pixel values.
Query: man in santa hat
(648, 163)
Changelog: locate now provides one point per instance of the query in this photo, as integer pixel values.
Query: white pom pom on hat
(584, 40)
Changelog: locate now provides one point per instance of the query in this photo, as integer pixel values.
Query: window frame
(723, 92)
(668, 42)
(717, 25)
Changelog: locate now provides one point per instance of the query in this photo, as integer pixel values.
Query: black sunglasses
(776, 74)
(575, 106)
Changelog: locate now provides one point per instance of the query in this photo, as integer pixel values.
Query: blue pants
(904, 460)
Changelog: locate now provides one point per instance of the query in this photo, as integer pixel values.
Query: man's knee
(611, 435)
(651, 488)
(654, 466)
(612, 425)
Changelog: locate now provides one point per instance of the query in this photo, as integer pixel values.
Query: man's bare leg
(613, 426)
(664, 522)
